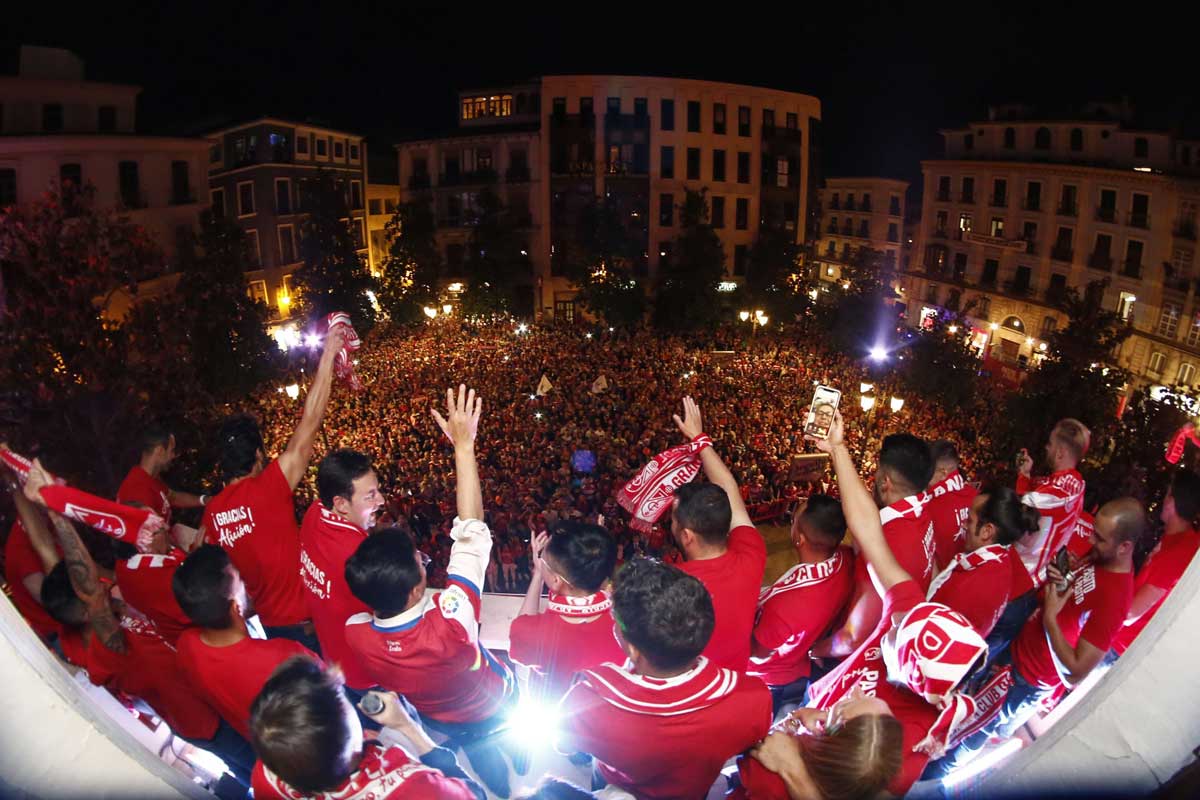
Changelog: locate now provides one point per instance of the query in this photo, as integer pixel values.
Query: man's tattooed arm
(86, 582)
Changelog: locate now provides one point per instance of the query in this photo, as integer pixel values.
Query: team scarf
(650, 492)
(988, 702)
(804, 575)
(343, 365)
(910, 507)
(1179, 442)
(969, 561)
(954, 482)
(567, 606)
(135, 526)
(699, 688)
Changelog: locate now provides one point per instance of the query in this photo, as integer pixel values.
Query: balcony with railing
(1031, 247)
(943, 197)
(866, 206)
(418, 181)
(1139, 220)
(835, 204)
(1018, 288)
(966, 197)
(1100, 261)
(850, 205)
(573, 168)
(1060, 253)
(831, 228)
(1031, 204)
(1105, 214)
(625, 168)
(1131, 268)
(939, 233)
(1184, 229)
(848, 228)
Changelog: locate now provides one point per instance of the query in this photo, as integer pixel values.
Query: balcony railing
(835, 205)
(1132, 269)
(832, 228)
(1062, 254)
(1018, 288)
(1178, 284)
(966, 197)
(866, 206)
(1106, 214)
(1139, 220)
(939, 233)
(1031, 247)
(850, 205)
(1185, 229)
(1068, 210)
(847, 230)
(1100, 261)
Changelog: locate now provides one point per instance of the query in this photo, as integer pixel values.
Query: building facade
(1020, 209)
(258, 174)
(382, 199)
(859, 213)
(555, 145)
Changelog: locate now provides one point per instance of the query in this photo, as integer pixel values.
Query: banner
(544, 386)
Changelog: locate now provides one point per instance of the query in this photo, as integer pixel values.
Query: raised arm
(715, 470)
(40, 538)
(294, 460)
(461, 424)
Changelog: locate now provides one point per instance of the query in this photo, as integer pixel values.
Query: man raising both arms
(721, 548)
(253, 518)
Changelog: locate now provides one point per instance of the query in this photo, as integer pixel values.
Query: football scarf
(804, 575)
(967, 562)
(588, 606)
(650, 492)
(694, 690)
(343, 365)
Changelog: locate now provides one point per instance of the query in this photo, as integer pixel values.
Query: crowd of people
(924, 615)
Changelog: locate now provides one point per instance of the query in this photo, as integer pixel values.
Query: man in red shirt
(254, 519)
(575, 562)
(721, 547)
(662, 725)
(1169, 559)
(25, 567)
(333, 527)
(905, 467)
(802, 605)
(217, 659)
(1068, 637)
(143, 485)
(428, 648)
(950, 501)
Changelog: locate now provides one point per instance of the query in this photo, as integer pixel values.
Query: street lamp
(867, 402)
(293, 390)
(743, 315)
(897, 404)
(430, 312)
(863, 388)
(446, 309)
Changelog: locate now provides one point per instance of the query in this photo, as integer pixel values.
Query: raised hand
(461, 422)
(335, 340)
(691, 425)
(38, 477)
(836, 438)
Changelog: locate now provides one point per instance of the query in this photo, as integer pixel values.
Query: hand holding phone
(1062, 563)
(820, 413)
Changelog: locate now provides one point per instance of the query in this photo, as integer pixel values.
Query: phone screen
(1062, 561)
(820, 413)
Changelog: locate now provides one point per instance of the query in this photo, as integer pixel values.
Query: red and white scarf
(910, 507)
(804, 575)
(22, 465)
(567, 606)
(1179, 442)
(343, 365)
(694, 690)
(988, 702)
(954, 482)
(650, 492)
(968, 561)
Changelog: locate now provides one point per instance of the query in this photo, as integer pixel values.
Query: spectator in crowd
(950, 498)
(143, 485)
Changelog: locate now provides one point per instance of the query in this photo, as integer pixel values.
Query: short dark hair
(663, 612)
(152, 436)
(202, 587)
(59, 598)
(383, 571)
(586, 553)
(298, 726)
(943, 450)
(704, 509)
(825, 515)
(907, 457)
(1185, 487)
(336, 475)
(240, 441)
(1004, 509)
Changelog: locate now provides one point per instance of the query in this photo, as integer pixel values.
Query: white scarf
(967, 562)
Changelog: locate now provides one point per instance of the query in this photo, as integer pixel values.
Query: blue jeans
(230, 747)
(304, 633)
(481, 745)
(1012, 619)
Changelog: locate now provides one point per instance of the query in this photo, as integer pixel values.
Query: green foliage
(413, 263)
(773, 275)
(1131, 460)
(687, 297)
(600, 263)
(940, 363)
(497, 265)
(864, 316)
(333, 276)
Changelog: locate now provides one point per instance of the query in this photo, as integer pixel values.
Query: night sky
(888, 77)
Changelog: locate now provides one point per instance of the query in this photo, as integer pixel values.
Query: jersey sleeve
(470, 553)
(460, 606)
(748, 542)
(1106, 620)
(522, 639)
(773, 628)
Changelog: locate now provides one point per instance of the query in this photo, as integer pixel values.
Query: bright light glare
(953, 329)
(878, 354)
(897, 403)
(430, 312)
(867, 402)
(533, 724)
(522, 328)
(982, 763)
(537, 415)
(312, 340)
(293, 390)
(863, 388)
(587, 336)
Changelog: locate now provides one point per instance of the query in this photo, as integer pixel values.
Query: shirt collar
(402, 621)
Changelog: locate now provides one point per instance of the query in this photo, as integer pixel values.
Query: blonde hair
(1073, 435)
(857, 760)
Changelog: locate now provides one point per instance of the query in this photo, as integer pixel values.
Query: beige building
(552, 146)
(858, 213)
(382, 199)
(1021, 208)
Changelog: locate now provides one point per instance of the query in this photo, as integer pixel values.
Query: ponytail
(1012, 518)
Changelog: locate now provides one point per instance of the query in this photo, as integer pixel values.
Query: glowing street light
(867, 402)
(312, 340)
(953, 329)
(743, 315)
(522, 328)
(430, 312)
(587, 336)
(1042, 347)
(994, 326)
(1029, 340)
(863, 388)
(446, 309)
(293, 390)
(897, 404)
(878, 354)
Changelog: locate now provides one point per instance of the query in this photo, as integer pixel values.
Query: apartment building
(859, 213)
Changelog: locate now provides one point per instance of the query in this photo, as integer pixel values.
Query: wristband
(204, 499)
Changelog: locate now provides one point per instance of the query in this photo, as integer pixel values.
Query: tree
(497, 264)
(687, 297)
(413, 264)
(333, 276)
(864, 315)
(601, 261)
(939, 363)
(774, 280)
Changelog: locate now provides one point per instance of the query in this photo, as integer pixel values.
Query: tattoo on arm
(86, 582)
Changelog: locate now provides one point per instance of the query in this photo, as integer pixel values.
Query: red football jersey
(1164, 568)
(733, 579)
(149, 670)
(980, 593)
(326, 541)
(145, 584)
(947, 509)
(909, 533)
(254, 520)
(229, 678)
(20, 560)
(1095, 612)
(796, 611)
(384, 773)
(1059, 499)
(664, 737)
(556, 648)
(144, 489)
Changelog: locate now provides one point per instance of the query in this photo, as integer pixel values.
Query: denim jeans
(789, 693)
(228, 745)
(482, 742)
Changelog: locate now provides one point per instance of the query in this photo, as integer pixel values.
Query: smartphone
(1062, 562)
(1021, 456)
(820, 413)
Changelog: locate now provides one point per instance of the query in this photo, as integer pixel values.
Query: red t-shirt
(733, 579)
(796, 611)
(556, 649)
(326, 541)
(144, 489)
(979, 594)
(910, 537)
(1059, 499)
(1164, 568)
(1094, 612)
(948, 510)
(384, 773)
(254, 520)
(670, 746)
(149, 670)
(20, 561)
(145, 584)
(229, 678)
(1080, 543)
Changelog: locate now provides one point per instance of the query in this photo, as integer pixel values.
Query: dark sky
(889, 76)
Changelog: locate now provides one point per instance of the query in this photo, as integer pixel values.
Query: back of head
(704, 509)
(336, 475)
(156, 434)
(203, 587)
(240, 440)
(1074, 436)
(59, 598)
(824, 518)
(1128, 518)
(299, 729)
(586, 553)
(944, 454)
(550, 788)
(663, 612)
(1185, 488)
(907, 460)
(383, 571)
(1012, 518)
(857, 760)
